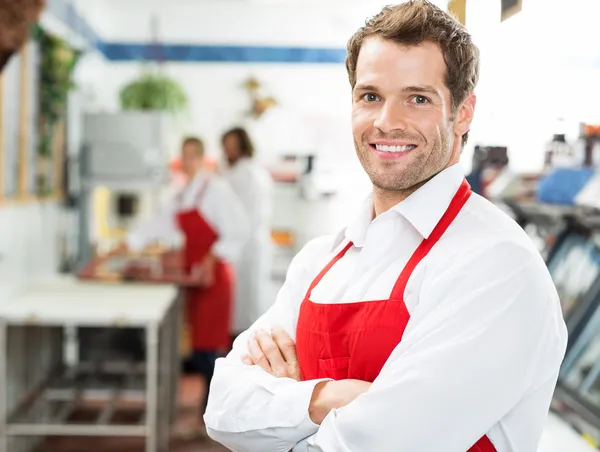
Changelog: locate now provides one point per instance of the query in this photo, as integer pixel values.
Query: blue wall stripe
(222, 54)
(64, 11)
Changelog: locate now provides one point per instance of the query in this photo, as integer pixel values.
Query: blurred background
(96, 97)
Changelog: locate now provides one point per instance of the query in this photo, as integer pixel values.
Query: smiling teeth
(385, 148)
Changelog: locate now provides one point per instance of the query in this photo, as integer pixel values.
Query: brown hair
(411, 24)
(245, 143)
(197, 142)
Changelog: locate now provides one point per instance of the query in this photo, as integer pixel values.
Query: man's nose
(391, 116)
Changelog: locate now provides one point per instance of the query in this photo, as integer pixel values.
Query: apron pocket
(336, 368)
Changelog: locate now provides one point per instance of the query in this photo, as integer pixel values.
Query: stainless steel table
(39, 392)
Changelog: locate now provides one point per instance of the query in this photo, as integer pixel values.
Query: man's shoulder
(484, 224)
(486, 238)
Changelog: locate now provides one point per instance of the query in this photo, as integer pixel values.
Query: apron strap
(202, 191)
(199, 195)
(457, 203)
(320, 276)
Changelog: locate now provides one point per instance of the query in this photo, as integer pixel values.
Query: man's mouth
(393, 148)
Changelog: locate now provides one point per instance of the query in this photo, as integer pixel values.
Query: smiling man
(428, 324)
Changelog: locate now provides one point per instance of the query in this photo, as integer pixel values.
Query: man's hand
(329, 395)
(205, 270)
(121, 250)
(275, 353)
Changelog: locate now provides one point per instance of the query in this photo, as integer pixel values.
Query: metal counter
(39, 391)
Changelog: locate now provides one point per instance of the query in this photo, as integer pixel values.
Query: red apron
(208, 308)
(354, 340)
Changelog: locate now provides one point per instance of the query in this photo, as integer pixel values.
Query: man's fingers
(257, 355)
(272, 352)
(246, 359)
(285, 344)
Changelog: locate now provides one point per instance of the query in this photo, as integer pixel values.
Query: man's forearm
(330, 395)
(250, 410)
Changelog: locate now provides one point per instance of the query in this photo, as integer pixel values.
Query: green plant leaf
(153, 92)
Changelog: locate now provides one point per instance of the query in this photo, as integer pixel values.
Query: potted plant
(154, 92)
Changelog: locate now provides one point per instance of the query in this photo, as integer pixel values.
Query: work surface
(69, 301)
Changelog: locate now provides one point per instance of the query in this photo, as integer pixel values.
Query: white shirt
(219, 206)
(480, 354)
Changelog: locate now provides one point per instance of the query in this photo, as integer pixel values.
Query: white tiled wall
(28, 244)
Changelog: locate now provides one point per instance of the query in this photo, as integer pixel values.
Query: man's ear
(464, 115)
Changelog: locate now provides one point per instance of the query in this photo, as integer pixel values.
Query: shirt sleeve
(225, 212)
(487, 332)
(250, 410)
(160, 227)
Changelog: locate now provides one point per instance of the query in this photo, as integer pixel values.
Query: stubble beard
(403, 177)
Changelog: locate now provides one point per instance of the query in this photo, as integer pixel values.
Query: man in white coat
(254, 187)
(430, 323)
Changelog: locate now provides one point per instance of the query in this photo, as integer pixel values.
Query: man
(463, 348)
(215, 228)
(253, 185)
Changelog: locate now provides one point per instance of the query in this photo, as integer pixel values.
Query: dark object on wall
(16, 18)
(510, 8)
(127, 205)
(497, 156)
(490, 156)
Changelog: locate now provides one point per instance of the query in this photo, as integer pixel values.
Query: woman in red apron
(354, 340)
(214, 227)
(208, 308)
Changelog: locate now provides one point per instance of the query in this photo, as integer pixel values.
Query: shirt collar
(423, 209)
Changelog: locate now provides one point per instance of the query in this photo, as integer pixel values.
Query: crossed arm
(275, 353)
(469, 356)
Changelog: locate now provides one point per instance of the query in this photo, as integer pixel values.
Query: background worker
(254, 186)
(212, 221)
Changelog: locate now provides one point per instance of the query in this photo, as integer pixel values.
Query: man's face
(231, 148)
(191, 159)
(402, 121)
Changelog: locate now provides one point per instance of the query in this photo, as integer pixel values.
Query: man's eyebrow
(362, 87)
(421, 89)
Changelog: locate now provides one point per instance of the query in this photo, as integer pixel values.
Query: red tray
(165, 268)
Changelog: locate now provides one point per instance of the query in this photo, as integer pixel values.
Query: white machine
(128, 155)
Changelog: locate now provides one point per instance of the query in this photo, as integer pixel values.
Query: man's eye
(420, 100)
(370, 97)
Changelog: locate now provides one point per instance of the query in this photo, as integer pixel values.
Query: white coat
(254, 186)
